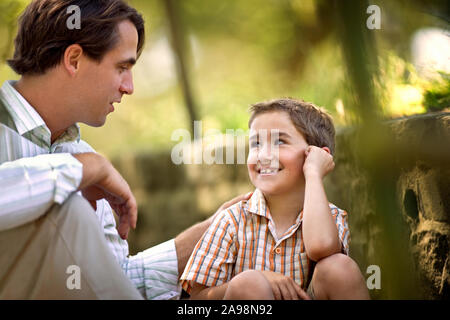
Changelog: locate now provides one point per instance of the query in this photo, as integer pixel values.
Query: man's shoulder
(75, 147)
(83, 146)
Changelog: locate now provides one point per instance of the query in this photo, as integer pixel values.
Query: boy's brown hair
(314, 123)
(43, 34)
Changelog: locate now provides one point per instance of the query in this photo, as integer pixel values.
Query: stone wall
(171, 198)
(421, 172)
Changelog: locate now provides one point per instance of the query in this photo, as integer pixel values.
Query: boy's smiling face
(277, 153)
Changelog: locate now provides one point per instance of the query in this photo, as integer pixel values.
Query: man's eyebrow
(130, 61)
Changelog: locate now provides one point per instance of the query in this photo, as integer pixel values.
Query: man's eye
(122, 69)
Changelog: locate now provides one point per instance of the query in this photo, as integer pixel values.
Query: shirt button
(278, 250)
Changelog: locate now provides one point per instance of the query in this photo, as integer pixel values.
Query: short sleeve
(213, 258)
(341, 219)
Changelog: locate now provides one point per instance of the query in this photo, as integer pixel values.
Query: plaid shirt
(34, 174)
(244, 237)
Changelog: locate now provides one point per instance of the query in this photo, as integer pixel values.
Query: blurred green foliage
(438, 96)
(242, 52)
(9, 11)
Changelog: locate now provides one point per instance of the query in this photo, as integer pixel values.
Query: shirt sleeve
(340, 218)
(213, 258)
(29, 186)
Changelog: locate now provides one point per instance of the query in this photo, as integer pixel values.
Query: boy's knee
(249, 285)
(338, 268)
(338, 277)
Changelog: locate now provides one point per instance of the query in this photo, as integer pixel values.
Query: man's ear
(72, 57)
(327, 149)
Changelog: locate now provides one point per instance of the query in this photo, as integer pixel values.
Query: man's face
(101, 84)
(276, 155)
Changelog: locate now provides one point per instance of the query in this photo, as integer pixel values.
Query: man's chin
(95, 123)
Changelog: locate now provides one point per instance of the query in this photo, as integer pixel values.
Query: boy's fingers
(276, 292)
(302, 294)
(291, 292)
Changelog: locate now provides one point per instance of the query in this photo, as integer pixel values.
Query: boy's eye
(279, 141)
(254, 144)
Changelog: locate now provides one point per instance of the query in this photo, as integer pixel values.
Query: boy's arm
(320, 233)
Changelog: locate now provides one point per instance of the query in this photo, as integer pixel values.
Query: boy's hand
(318, 162)
(284, 288)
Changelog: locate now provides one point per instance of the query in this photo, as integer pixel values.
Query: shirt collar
(27, 120)
(257, 205)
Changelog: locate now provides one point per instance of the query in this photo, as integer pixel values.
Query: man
(52, 243)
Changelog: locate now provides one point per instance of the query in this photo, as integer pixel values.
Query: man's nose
(126, 86)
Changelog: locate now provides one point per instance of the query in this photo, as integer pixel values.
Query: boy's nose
(268, 155)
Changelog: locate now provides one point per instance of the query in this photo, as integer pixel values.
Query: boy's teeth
(267, 171)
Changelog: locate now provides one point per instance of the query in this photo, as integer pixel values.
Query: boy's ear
(327, 149)
(72, 57)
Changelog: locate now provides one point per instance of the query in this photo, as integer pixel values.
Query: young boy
(268, 246)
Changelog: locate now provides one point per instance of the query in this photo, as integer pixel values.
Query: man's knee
(249, 285)
(74, 211)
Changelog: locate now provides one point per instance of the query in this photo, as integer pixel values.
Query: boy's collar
(257, 204)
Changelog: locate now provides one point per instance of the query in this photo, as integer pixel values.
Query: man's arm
(201, 292)
(186, 241)
(102, 181)
(320, 233)
(29, 186)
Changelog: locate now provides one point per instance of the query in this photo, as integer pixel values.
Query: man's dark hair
(43, 35)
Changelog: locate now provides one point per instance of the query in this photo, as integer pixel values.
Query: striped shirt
(244, 237)
(35, 173)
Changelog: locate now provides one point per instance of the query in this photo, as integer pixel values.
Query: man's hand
(102, 181)
(229, 203)
(318, 162)
(284, 288)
